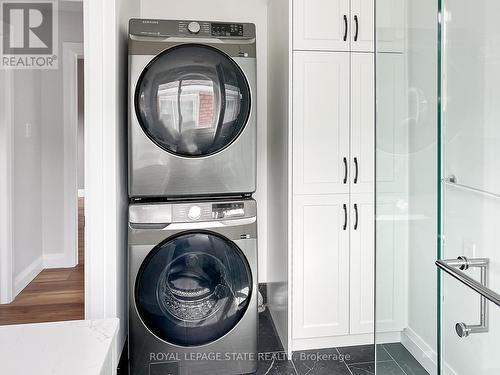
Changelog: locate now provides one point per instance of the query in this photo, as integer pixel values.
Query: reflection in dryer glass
(193, 100)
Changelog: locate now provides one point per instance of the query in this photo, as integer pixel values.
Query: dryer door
(193, 288)
(193, 100)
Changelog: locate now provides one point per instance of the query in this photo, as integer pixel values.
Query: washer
(193, 288)
(192, 113)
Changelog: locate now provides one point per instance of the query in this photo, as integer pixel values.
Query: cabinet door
(321, 122)
(320, 266)
(321, 25)
(362, 263)
(362, 122)
(390, 21)
(362, 25)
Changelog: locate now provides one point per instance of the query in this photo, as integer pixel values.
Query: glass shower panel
(406, 187)
(470, 182)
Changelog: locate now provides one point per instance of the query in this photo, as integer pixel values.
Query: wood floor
(54, 295)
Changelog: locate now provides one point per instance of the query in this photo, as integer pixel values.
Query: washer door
(193, 100)
(193, 288)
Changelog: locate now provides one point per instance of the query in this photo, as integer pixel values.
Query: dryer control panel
(227, 29)
(191, 28)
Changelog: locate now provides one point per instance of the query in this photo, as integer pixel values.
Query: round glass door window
(193, 288)
(193, 100)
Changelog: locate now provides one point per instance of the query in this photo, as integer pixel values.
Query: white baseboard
(347, 340)
(81, 193)
(423, 352)
(22, 280)
(58, 260)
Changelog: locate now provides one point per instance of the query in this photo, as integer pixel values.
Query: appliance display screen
(227, 29)
(228, 210)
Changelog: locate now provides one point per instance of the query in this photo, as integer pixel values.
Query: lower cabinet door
(362, 263)
(320, 266)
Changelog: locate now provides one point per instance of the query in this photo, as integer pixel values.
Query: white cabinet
(321, 25)
(333, 157)
(333, 122)
(321, 122)
(320, 266)
(333, 185)
(362, 25)
(334, 25)
(362, 122)
(362, 251)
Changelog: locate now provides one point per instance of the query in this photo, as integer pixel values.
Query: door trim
(71, 53)
(6, 191)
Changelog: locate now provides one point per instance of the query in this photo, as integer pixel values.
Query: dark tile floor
(392, 359)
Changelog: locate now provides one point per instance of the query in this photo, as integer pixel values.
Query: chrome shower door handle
(456, 268)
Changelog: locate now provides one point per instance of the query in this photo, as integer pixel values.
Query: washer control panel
(196, 211)
(192, 212)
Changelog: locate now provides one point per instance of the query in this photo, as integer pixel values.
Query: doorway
(43, 277)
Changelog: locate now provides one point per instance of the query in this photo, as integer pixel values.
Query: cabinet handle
(357, 216)
(357, 170)
(345, 170)
(345, 216)
(357, 28)
(346, 26)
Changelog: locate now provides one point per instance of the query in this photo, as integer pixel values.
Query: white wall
(27, 176)
(52, 157)
(254, 11)
(422, 83)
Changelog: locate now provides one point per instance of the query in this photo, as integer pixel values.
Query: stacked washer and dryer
(192, 220)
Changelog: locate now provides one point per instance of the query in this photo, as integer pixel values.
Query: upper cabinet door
(321, 122)
(321, 25)
(362, 25)
(362, 123)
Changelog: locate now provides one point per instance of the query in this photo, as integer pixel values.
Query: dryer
(193, 288)
(192, 112)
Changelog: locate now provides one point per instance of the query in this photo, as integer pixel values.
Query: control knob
(194, 212)
(194, 27)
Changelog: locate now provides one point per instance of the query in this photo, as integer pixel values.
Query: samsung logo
(150, 22)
